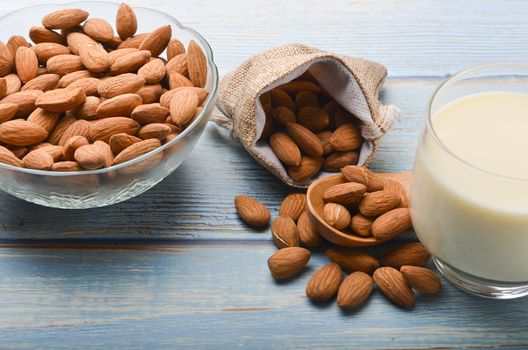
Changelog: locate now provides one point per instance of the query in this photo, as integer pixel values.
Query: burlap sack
(353, 82)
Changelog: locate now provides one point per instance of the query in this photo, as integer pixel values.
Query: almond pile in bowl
(83, 97)
(308, 130)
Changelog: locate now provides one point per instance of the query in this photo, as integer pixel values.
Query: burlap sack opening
(352, 82)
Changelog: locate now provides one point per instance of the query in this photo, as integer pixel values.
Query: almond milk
(472, 212)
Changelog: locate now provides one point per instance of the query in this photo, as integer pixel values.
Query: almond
(21, 133)
(43, 82)
(353, 260)
(115, 54)
(284, 232)
(77, 128)
(76, 40)
(421, 279)
(88, 85)
(88, 110)
(392, 284)
(307, 169)
(135, 150)
(19, 152)
(26, 63)
(38, 159)
(103, 129)
(336, 215)
(196, 64)
(361, 225)
(183, 106)
(354, 290)
(150, 113)
(122, 84)
(307, 233)
(6, 60)
(281, 99)
(178, 64)
(251, 211)
(45, 51)
(64, 19)
(307, 141)
(60, 100)
(336, 161)
(134, 41)
(126, 21)
(13, 83)
(293, 205)
(66, 166)
(94, 57)
(307, 99)
(150, 93)
(377, 203)
(120, 141)
(391, 224)
(176, 80)
(157, 40)
(288, 262)
(347, 137)
(72, 77)
(174, 48)
(313, 118)
(7, 111)
(346, 194)
(25, 101)
(15, 42)
(42, 35)
(406, 254)
(98, 29)
(118, 105)
(284, 115)
(56, 152)
(64, 64)
(8, 157)
(396, 187)
(285, 149)
(153, 71)
(62, 125)
(167, 96)
(324, 283)
(71, 145)
(46, 119)
(89, 157)
(296, 86)
(130, 63)
(154, 131)
(106, 151)
(364, 176)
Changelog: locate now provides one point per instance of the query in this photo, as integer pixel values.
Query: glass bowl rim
(191, 127)
(436, 138)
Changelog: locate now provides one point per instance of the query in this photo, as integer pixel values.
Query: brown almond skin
(285, 149)
(307, 141)
(280, 98)
(337, 160)
(21, 133)
(406, 254)
(393, 285)
(6, 60)
(135, 150)
(288, 262)
(61, 100)
(324, 283)
(150, 113)
(120, 141)
(293, 205)
(47, 120)
(391, 224)
(361, 225)
(38, 159)
(98, 29)
(421, 279)
(345, 194)
(178, 64)
(45, 51)
(347, 137)
(153, 71)
(103, 129)
(352, 260)
(157, 40)
(121, 105)
(183, 106)
(7, 111)
(336, 215)
(308, 168)
(377, 203)
(25, 101)
(71, 145)
(174, 48)
(89, 157)
(122, 84)
(78, 128)
(43, 35)
(252, 211)
(284, 232)
(60, 128)
(64, 19)
(308, 235)
(364, 176)
(66, 166)
(126, 21)
(313, 118)
(26, 63)
(154, 130)
(354, 290)
(296, 86)
(396, 187)
(306, 99)
(196, 64)
(43, 82)
(8, 157)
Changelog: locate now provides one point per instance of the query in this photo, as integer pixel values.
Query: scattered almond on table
(367, 205)
(85, 97)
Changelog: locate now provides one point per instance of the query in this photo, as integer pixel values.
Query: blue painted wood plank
(219, 296)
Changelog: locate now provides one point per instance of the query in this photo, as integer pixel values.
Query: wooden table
(175, 268)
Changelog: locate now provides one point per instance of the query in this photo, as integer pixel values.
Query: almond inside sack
(353, 82)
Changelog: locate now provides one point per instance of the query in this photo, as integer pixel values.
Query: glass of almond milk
(469, 192)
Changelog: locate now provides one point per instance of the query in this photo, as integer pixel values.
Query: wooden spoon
(316, 204)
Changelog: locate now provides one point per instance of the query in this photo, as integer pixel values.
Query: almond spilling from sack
(308, 130)
(104, 96)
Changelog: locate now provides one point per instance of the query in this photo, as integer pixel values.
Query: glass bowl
(97, 188)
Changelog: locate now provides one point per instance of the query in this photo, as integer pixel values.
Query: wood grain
(219, 296)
